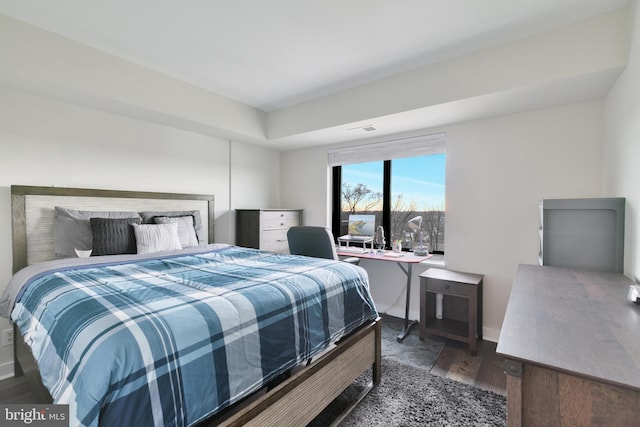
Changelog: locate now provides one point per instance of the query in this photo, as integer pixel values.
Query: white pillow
(156, 237)
(186, 229)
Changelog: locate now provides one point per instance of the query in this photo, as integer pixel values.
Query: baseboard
(490, 334)
(6, 370)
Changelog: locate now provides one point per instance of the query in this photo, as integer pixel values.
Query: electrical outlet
(7, 337)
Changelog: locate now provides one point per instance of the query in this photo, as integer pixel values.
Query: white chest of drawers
(266, 229)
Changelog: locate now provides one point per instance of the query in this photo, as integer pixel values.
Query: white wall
(622, 145)
(49, 64)
(251, 164)
(306, 184)
(47, 142)
(497, 171)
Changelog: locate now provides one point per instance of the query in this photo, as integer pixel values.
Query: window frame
(336, 199)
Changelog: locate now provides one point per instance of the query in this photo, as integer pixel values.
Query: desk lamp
(415, 225)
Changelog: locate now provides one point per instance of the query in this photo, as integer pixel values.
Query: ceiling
(272, 54)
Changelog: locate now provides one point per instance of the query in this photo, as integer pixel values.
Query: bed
(213, 333)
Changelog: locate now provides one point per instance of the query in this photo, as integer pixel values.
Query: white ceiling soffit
(586, 87)
(277, 53)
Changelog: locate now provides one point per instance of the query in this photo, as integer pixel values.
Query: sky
(421, 179)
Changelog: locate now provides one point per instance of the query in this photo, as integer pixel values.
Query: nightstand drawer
(447, 287)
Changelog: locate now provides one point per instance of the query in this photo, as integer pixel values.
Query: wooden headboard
(32, 212)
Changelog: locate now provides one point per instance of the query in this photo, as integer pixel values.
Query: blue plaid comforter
(172, 340)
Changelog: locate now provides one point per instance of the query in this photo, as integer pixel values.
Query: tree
(360, 198)
(400, 214)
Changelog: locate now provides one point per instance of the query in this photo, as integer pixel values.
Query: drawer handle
(282, 224)
(447, 286)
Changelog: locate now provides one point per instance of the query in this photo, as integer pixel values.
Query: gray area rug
(410, 396)
(411, 351)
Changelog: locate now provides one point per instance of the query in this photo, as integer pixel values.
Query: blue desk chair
(315, 242)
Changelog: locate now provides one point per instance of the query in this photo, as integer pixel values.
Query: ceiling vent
(366, 128)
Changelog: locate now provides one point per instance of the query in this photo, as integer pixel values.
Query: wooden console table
(571, 341)
(462, 312)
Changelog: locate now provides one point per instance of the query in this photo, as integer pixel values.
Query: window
(417, 188)
(395, 191)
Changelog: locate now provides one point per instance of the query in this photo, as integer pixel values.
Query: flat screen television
(583, 233)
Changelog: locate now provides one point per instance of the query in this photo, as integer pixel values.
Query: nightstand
(461, 305)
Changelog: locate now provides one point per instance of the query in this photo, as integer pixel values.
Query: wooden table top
(574, 321)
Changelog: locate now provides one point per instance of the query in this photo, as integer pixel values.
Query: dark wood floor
(486, 371)
(15, 390)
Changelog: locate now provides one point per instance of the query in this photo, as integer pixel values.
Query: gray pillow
(186, 230)
(152, 238)
(71, 229)
(113, 236)
(148, 218)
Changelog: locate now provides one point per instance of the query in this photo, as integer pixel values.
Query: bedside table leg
(479, 305)
(423, 308)
(473, 323)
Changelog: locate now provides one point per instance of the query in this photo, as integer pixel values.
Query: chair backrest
(311, 241)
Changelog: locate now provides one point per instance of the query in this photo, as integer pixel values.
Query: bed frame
(293, 402)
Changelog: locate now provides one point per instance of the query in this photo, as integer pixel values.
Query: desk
(570, 340)
(405, 262)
